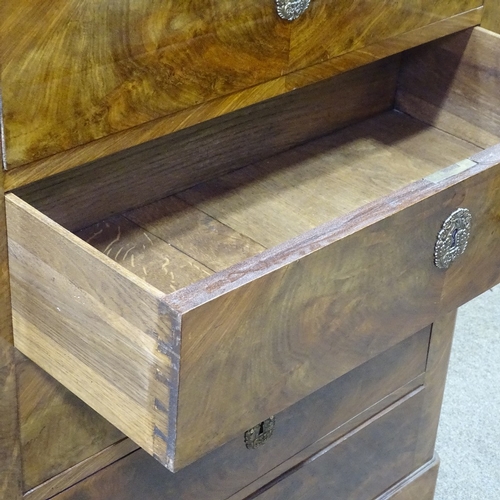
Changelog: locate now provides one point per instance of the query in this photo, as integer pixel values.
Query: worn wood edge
(270, 260)
(333, 438)
(3, 147)
(82, 470)
(60, 162)
(328, 448)
(151, 296)
(491, 18)
(399, 489)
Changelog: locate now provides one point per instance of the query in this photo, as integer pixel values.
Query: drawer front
(184, 373)
(98, 69)
(361, 464)
(320, 418)
(329, 301)
(329, 29)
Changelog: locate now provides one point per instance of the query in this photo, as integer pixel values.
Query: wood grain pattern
(284, 196)
(453, 84)
(358, 25)
(187, 117)
(224, 320)
(418, 486)
(154, 260)
(102, 69)
(491, 17)
(345, 468)
(107, 329)
(82, 470)
(385, 48)
(10, 452)
(435, 378)
(320, 419)
(58, 430)
(194, 233)
(146, 173)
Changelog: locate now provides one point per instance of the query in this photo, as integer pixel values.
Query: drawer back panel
(151, 171)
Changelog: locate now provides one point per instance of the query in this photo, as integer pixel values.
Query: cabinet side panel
(10, 462)
(10, 457)
(58, 430)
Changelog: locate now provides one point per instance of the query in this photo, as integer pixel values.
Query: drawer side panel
(88, 325)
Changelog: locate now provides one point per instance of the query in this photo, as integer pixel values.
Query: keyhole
(454, 238)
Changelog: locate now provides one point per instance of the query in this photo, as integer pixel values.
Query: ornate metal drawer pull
(291, 9)
(258, 435)
(452, 238)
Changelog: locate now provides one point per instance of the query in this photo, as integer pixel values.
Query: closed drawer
(346, 470)
(99, 69)
(300, 431)
(188, 320)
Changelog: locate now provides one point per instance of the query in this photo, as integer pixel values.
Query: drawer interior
(238, 271)
(183, 238)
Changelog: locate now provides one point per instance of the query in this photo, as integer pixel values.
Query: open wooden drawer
(189, 320)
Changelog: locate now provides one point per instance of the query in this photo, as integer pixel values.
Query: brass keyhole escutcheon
(453, 238)
(258, 435)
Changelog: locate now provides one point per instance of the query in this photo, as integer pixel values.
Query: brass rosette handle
(291, 9)
(452, 238)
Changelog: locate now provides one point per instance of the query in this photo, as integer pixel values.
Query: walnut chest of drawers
(236, 239)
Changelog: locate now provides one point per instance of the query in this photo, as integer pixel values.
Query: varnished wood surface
(58, 430)
(82, 470)
(253, 354)
(146, 173)
(358, 25)
(331, 412)
(435, 378)
(103, 68)
(346, 469)
(453, 84)
(159, 127)
(491, 16)
(418, 486)
(10, 450)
